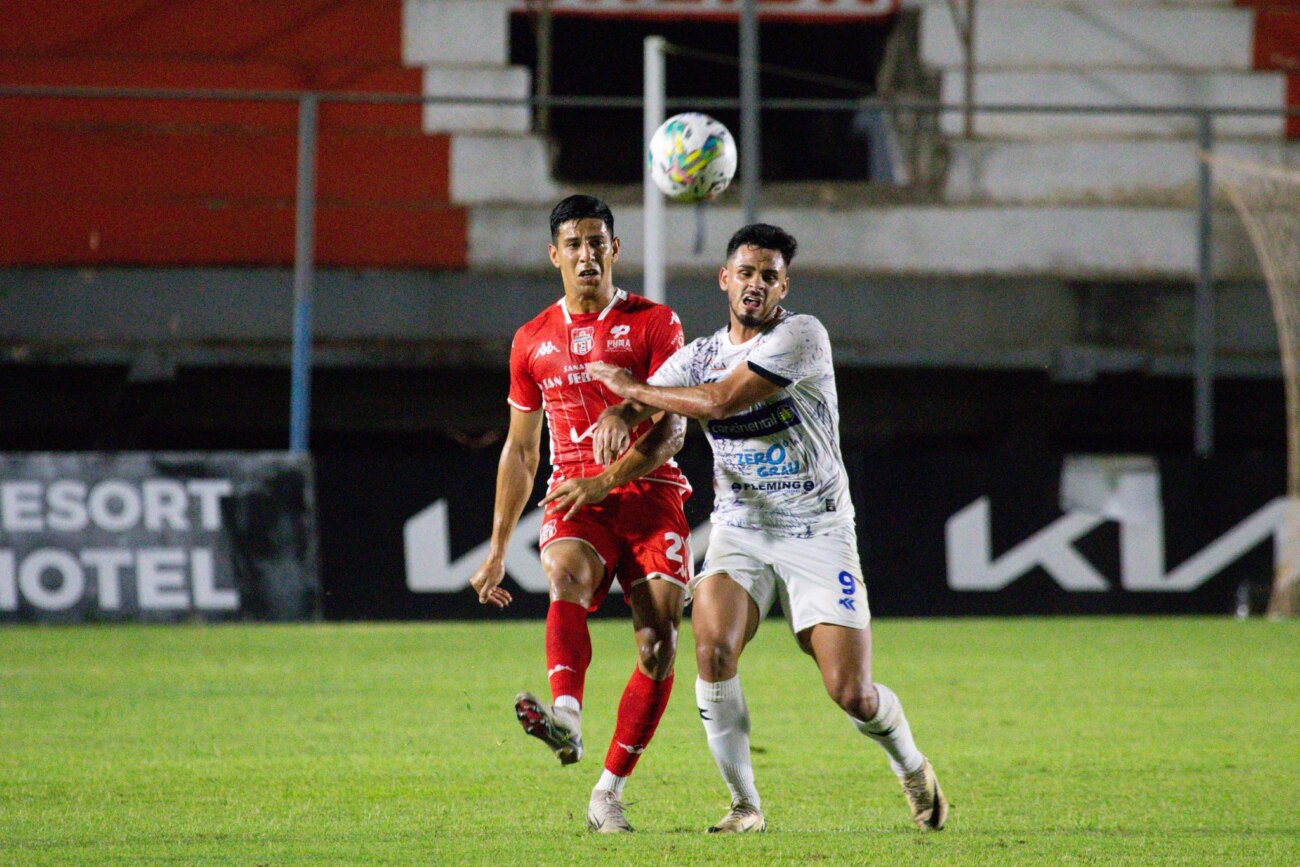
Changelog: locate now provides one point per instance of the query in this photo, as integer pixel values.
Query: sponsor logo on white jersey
(771, 461)
(546, 348)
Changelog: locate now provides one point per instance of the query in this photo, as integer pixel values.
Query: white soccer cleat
(929, 806)
(557, 727)
(744, 818)
(605, 813)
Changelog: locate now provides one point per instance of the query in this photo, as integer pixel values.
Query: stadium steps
(1118, 88)
(1099, 177)
(145, 194)
(1071, 242)
(1063, 34)
(212, 182)
(1138, 171)
(219, 74)
(175, 182)
(311, 32)
(495, 156)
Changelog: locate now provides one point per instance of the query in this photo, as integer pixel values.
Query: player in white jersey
(763, 387)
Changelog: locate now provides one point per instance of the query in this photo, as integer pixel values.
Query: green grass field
(1059, 741)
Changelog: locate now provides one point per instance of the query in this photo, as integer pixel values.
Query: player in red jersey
(623, 521)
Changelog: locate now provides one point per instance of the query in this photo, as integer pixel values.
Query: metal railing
(309, 103)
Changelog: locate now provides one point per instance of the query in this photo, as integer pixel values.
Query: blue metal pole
(303, 273)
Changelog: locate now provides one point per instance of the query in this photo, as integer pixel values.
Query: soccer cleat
(605, 813)
(744, 818)
(929, 806)
(557, 727)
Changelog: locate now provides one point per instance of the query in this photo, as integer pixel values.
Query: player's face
(755, 282)
(585, 253)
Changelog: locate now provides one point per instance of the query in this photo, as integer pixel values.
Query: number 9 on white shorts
(819, 578)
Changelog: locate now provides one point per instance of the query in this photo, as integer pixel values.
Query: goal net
(1267, 199)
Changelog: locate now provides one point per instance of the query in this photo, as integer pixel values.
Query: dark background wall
(414, 410)
(836, 60)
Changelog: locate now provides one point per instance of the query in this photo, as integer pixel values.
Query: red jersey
(548, 361)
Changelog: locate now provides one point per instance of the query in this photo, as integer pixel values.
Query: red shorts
(639, 532)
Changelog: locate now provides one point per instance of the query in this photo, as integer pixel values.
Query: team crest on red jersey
(581, 340)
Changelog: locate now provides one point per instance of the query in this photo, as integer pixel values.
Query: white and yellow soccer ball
(692, 157)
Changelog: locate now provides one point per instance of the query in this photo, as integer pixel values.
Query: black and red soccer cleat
(557, 727)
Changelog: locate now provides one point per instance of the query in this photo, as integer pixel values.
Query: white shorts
(818, 577)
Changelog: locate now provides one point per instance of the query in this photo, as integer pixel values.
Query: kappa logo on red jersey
(546, 348)
(580, 342)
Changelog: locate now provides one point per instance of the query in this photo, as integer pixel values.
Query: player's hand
(616, 379)
(487, 583)
(610, 438)
(576, 493)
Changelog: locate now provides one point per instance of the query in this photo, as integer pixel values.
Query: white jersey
(776, 465)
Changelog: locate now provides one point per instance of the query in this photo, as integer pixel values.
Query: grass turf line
(1134, 740)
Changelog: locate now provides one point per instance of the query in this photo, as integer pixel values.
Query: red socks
(568, 648)
(568, 653)
(643, 703)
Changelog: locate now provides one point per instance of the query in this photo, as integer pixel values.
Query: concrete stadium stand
(999, 241)
(1082, 171)
(495, 156)
(1117, 87)
(182, 182)
(1061, 35)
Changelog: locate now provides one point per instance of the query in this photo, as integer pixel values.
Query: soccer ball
(692, 157)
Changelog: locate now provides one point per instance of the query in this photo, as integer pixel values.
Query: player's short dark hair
(766, 237)
(580, 208)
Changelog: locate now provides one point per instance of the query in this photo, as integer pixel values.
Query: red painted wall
(182, 182)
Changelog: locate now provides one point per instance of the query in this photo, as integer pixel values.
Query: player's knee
(657, 649)
(569, 585)
(716, 660)
(855, 697)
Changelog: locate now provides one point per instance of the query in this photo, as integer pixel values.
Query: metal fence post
(653, 208)
(545, 33)
(303, 273)
(965, 27)
(750, 139)
(1203, 328)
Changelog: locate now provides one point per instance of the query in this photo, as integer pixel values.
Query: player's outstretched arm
(649, 453)
(515, 473)
(710, 400)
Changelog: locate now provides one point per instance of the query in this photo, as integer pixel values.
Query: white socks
(889, 728)
(726, 722)
(611, 782)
